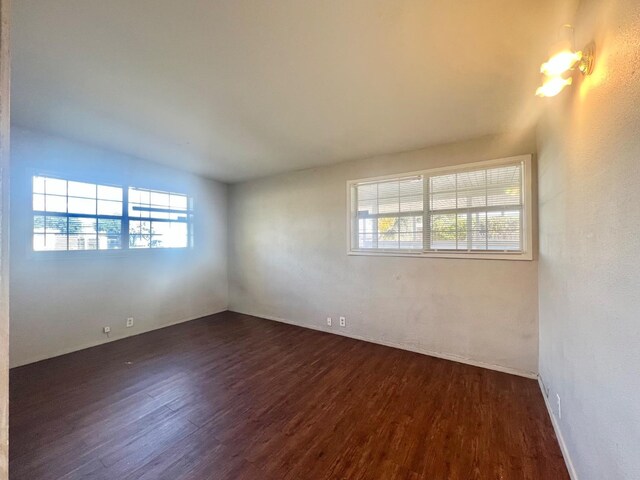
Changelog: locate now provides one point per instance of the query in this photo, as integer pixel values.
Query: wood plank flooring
(237, 397)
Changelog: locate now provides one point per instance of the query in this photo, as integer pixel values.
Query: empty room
(319, 240)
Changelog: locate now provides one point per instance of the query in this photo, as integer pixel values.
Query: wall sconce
(565, 61)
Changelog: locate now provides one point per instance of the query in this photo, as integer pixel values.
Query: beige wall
(60, 302)
(589, 176)
(288, 261)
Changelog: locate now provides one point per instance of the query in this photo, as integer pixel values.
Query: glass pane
(388, 240)
(109, 193)
(160, 199)
(365, 240)
(49, 242)
(109, 242)
(443, 232)
(367, 192)
(139, 227)
(83, 242)
(389, 189)
(178, 202)
(55, 186)
(389, 205)
(56, 224)
(82, 205)
(442, 183)
(479, 231)
(82, 225)
(443, 201)
(54, 203)
(38, 224)
(80, 189)
(109, 226)
(108, 207)
(139, 241)
(411, 203)
(38, 184)
(169, 235)
(38, 202)
(504, 230)
(462, 231)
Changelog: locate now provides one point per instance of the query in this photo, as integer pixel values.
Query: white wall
(5, 118)
(288, 261)
(60, 302)
(589, 177)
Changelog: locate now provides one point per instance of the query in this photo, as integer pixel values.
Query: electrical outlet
(106, 329)
(329, 321)
(129, 322)
(559, 407)
(343, 322)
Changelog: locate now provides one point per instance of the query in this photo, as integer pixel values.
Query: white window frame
(527, 212)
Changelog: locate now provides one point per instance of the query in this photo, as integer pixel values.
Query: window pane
(139, 241)
(159, 199)
(56, 224)
(178, 202)
(79, 189)
(38, 224)
(83, 242)
(82, 225)
(49, 242)
(72, 213)
(55, 186)
(169, 235)
(479, 196)
(504, 230)
(54, 203)
(479, 231)
(82, 205)
(108, 207)
(139, 227)
(444, 232)
(381, 210)
(38, 202)
(109, 193)
(38, 184)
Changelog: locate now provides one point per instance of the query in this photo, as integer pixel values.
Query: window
(75, 215)
(158, 219)
(478, 210)
(70, 215)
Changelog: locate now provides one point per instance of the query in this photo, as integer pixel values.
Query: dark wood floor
(237, 397)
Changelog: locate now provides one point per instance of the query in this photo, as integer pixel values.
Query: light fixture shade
(553, 86)
(561, 62)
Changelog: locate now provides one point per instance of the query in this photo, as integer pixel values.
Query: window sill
(526, 256)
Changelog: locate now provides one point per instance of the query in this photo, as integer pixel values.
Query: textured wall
(589, 177)
(5, 67)
(60, 302)
(288, 261)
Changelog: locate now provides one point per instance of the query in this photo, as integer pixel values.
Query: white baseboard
(556, 428)
(75, 348)
(446, 356)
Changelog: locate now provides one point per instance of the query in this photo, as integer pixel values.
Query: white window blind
(390, 214)
(477, 210)
(473, 209)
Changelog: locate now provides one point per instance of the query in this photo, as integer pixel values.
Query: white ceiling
(237, 89)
